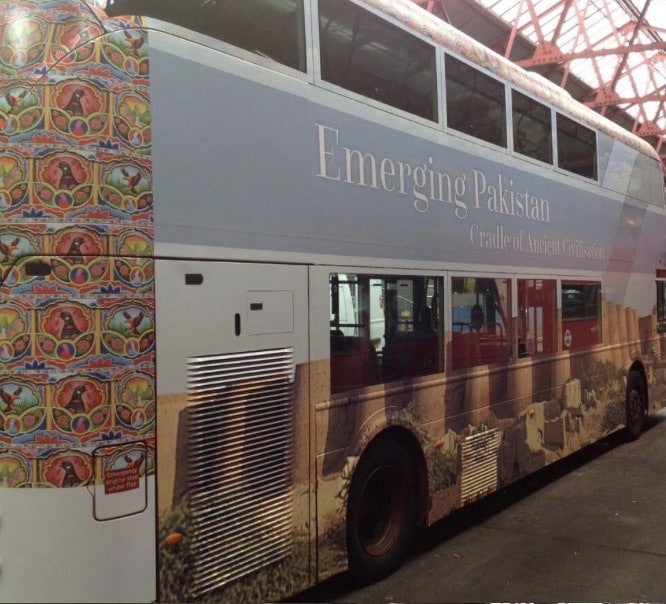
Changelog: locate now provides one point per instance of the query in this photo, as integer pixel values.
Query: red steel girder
(561, 38)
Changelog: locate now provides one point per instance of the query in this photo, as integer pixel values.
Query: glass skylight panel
(586, 72)
(595, 25)
(502, 7)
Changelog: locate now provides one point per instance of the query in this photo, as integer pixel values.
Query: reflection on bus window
(270, 28)
(384, 328)
(481, 321)
(581, 314)
(537, 325)
(532, 133)
(661, 301)
(367, 55)
(475, 103)
(576, 148)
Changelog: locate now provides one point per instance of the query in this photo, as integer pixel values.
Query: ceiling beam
(551, 36)
(634, 35)
(605, 99)
(544, 55)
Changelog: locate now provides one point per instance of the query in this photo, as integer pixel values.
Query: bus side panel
(482, 427)
(77, 417)
(79, 567)
(233, 431)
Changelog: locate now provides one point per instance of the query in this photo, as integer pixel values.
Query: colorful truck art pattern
(77, 333)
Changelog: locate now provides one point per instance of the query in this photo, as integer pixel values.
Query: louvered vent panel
(479, 465)
(240, 419)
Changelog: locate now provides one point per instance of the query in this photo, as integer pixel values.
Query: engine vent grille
(240, 430)
(479, 465)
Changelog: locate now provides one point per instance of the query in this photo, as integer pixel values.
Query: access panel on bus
(233, 436)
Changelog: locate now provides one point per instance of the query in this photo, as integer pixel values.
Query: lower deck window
(537, 317)
(661, 302)
(481, 326)
(581, 314)
(384, 328)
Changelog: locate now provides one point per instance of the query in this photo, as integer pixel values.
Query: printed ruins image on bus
(275, 294)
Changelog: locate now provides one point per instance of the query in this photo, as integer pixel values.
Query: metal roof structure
(608, 54)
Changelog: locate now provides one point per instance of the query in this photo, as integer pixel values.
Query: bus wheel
(636, 404)
(381, 511)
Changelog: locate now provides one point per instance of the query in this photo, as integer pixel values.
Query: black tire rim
(635, 410)
(382, 511)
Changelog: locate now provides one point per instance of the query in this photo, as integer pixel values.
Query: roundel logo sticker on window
(567, 338)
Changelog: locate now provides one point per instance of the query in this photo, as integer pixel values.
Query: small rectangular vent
(479, 465)
(240, 430)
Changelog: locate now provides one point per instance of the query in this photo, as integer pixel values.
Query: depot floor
(591, 528)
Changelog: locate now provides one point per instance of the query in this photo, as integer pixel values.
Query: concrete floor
(591, 528)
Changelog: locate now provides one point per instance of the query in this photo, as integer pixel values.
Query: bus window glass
(661, 301)
(365, 54)
(269, 28)
(475, 103)
(645, 183)
(532, 132)
(576, 148)
(581, 314)
(481, 321)
(383, 328)
(537, 326)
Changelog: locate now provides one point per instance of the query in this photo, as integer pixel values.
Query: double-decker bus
(283, 280)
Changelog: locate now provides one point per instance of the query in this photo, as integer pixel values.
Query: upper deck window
(532, 131)
(576, 147)
(367, 55)
(475, 102)
(269, 28)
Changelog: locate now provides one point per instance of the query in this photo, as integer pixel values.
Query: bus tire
(381, 511)
(636, 404)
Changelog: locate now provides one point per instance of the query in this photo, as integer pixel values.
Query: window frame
(181, 32)
(510, 338)
(504, 101)
(586, 316)
(660, 283)
(435, 125)
(559, 160)
(394, 356)
(556, 322)
(513, 125)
